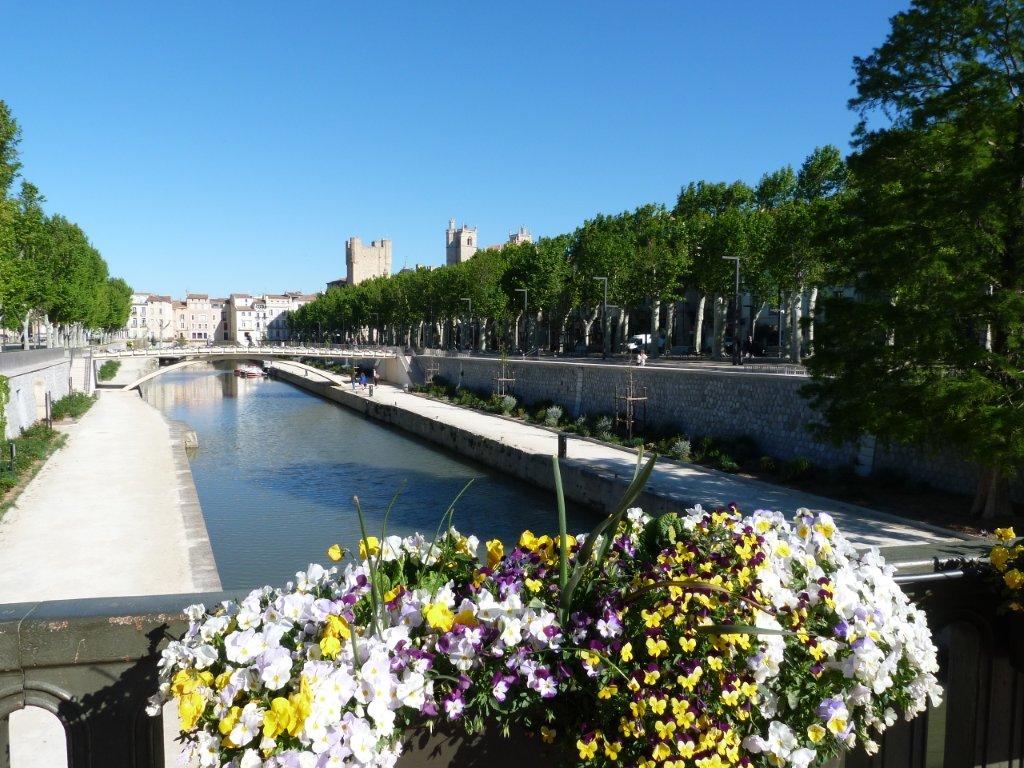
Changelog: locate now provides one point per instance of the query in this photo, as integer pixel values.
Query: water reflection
(277, 468)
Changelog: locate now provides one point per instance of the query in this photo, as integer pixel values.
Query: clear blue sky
(226, 147)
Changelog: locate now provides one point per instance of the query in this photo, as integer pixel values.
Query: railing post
(563, 444)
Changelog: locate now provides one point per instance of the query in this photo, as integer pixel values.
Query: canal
(277, 468)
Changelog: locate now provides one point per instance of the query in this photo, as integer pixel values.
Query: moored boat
(249, 372)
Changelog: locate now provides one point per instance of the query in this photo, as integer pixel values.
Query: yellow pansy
(547, 735)
(370, 546)
(656, 646)
(228, 721)
(279, 718)
(187, 680)
(528, 542)
(626, 654)
(495, 551)
(651, 618)
(1014, 579)
(816, 733)
(612, 749)
(301, 704)
(190, 708)
(587, 748)
(661, 751)
(999, 556)
(1005, 534)
(607, 691)
(466, 618)
(687, 644)
(329, 646)
(337, 626)
(532, 584)
(335, 552)
(439, 616)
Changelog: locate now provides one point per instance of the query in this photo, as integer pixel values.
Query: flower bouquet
(704, 638)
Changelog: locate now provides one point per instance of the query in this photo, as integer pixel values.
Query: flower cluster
(1007, 558)
(706, 638)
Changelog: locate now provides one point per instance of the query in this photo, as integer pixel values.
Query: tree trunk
(670, 325)
(698, 331)
(993, 496)
(783, 320)
(655, 324)
(623, 329)
(796, 334)
(25, 343)
(562, 332)
(719, 327)
(812, 307)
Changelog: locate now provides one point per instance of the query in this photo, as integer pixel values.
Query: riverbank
(595, 474)
(114, 512)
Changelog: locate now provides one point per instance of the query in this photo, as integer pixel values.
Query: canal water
(277, 468)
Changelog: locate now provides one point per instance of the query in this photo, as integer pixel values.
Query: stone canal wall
(714, 402)
(31, 374)
(581, 484)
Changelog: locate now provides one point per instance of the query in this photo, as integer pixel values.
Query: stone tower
(366, 261)
(461, 243)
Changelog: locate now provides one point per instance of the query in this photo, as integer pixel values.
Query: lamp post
(526, 319)
(472, 330)
(737, 359)
(604, 319)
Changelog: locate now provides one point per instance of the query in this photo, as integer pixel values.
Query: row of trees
(552, 293)
(50, 274)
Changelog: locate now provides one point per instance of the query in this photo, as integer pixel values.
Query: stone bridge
(175, 358)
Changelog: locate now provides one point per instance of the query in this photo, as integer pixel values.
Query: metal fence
(92, 663)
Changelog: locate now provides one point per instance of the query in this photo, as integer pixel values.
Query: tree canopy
(931, 350)
(48, 267)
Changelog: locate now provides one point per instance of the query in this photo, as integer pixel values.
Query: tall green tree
(932, 350)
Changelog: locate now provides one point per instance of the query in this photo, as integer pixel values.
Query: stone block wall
(697, 402)
(28, 388)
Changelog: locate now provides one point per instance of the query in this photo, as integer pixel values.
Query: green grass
(36, 443)
(73, 405)
(109, 370)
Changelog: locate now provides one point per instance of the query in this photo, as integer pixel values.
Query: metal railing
(92, 663)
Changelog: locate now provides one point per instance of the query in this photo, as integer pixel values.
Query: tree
(930, 352)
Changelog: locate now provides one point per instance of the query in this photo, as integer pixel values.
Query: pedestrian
(641, 358)
(376, 376)
(362, 380)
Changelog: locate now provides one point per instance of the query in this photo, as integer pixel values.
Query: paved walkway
(687, 484)
(111, 513)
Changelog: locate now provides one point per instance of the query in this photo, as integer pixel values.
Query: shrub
(727, 464)
(602, 427)
(580, 427)
(680, 449)
(797, 469)
(71, 406)
(767, 464)
(109, 370)
(508, 404)
(553, 416)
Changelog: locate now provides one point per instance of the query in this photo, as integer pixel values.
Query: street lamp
(472, 330)
(526, 319)
(604, 319)
(736, 356)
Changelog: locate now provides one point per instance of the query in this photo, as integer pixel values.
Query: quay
(112, 513)
(594, 473)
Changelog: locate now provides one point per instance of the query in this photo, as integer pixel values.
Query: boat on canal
(249, 372)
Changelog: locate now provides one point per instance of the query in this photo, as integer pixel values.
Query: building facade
(151, 318)
(522, 236)
(202, 325)
(460, 243)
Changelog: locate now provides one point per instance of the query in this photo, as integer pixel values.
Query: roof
(240, 296)
(197, 296)
(155, 297)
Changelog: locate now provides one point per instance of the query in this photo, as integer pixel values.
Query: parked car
(638, 342)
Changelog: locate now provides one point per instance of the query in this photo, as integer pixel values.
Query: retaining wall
(581, 483)
(697, 402)
(30, 376)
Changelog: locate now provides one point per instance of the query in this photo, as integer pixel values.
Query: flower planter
(489, 750)
(1014, 629)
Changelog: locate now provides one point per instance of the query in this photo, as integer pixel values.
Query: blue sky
(222, 147)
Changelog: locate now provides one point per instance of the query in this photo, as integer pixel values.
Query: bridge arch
(184, 364)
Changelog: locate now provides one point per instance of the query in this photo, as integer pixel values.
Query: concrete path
(112, 513)
(686, 484)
